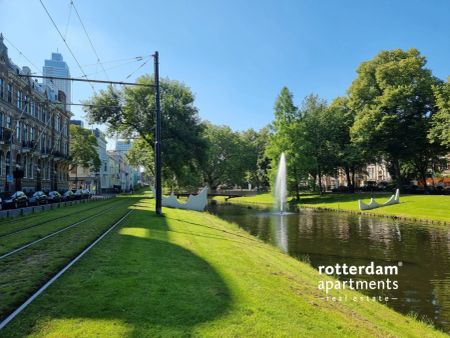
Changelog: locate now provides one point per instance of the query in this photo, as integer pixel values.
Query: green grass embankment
(192, 274)
(415, 207)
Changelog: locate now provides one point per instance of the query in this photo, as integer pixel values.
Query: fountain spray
(281, 185)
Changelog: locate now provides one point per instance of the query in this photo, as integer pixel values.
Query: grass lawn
(425, 207)
(192, 274)
(25, 271)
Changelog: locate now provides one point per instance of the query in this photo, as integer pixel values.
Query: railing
(60, 155)
(28, 144)
(46, 151)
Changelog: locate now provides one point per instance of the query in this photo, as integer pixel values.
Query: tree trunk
(353, 178)
(398, 175)
(297, 191)
(349, 180)
(319, 174)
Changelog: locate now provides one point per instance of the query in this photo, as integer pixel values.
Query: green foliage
(130, 112)
(234, 158)
(83, 148)
(440, 130)
(285, 138)
(393, 100)
(307, 136)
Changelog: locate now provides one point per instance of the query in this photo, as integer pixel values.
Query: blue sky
(235, 55)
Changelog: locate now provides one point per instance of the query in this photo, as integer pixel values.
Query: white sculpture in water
(395, 199)
(194, 202)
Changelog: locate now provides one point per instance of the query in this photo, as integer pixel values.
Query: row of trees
(195, 152)
(395, 111)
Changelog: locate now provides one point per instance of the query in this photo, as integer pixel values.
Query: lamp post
(158, 189)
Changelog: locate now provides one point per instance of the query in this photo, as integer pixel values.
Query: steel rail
(23, 247)
(31, 215)
(14, 314)
(53, 219)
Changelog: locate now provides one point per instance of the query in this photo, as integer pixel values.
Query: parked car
(78, 194)
(86, 193)
(68, 196)
(16, 200)
(38, 198)
(54, 197)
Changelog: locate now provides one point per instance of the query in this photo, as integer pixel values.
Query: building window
(10, 92)
(32, 108)
(2, 87)
(19, 99)
(31, 134)
(8, 122)
(18, 131)
(25, 104)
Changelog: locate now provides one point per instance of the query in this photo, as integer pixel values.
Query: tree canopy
(83, 148)
(130, 112)
(393, 100)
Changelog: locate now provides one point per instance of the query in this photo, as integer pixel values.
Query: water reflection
(327, 238)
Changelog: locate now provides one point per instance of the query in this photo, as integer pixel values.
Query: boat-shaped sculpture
(194, 202)
(395, 199)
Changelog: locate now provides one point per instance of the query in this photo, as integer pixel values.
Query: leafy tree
(285, 138)
(393, 100)
(130, 112)
(318, 131)
(83, 148)
(440, 122)
(141, 155)
(349, 156)
(223, 160)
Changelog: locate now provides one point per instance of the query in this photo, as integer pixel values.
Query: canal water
(421, 251)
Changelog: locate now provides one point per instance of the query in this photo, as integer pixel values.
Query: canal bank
(430, 209)
(421, 254)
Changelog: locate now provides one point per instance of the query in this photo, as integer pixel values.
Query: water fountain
(281, 186)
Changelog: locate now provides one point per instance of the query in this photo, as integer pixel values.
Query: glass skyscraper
(58, 67)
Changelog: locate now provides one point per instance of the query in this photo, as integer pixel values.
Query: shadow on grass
(137, 277)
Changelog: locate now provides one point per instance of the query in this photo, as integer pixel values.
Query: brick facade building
(34, 131)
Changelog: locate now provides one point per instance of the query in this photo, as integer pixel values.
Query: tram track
(6, 221)
(47, 221)
(61, 271)
(54, 233)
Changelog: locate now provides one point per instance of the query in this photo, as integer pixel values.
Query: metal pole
(158, 189)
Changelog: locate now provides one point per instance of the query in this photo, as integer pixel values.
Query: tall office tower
(58, 67)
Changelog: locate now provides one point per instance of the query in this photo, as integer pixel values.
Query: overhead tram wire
(67, 45)
(134, 59)
(89, 39)
(68, 21)
(89, 80)
(118, 66)
(142, 65)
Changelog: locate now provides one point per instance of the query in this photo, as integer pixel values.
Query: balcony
(28, 146)
(59, 156)
(45, 152)
(5, 136)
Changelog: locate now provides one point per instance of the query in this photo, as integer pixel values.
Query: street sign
(9, 178)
